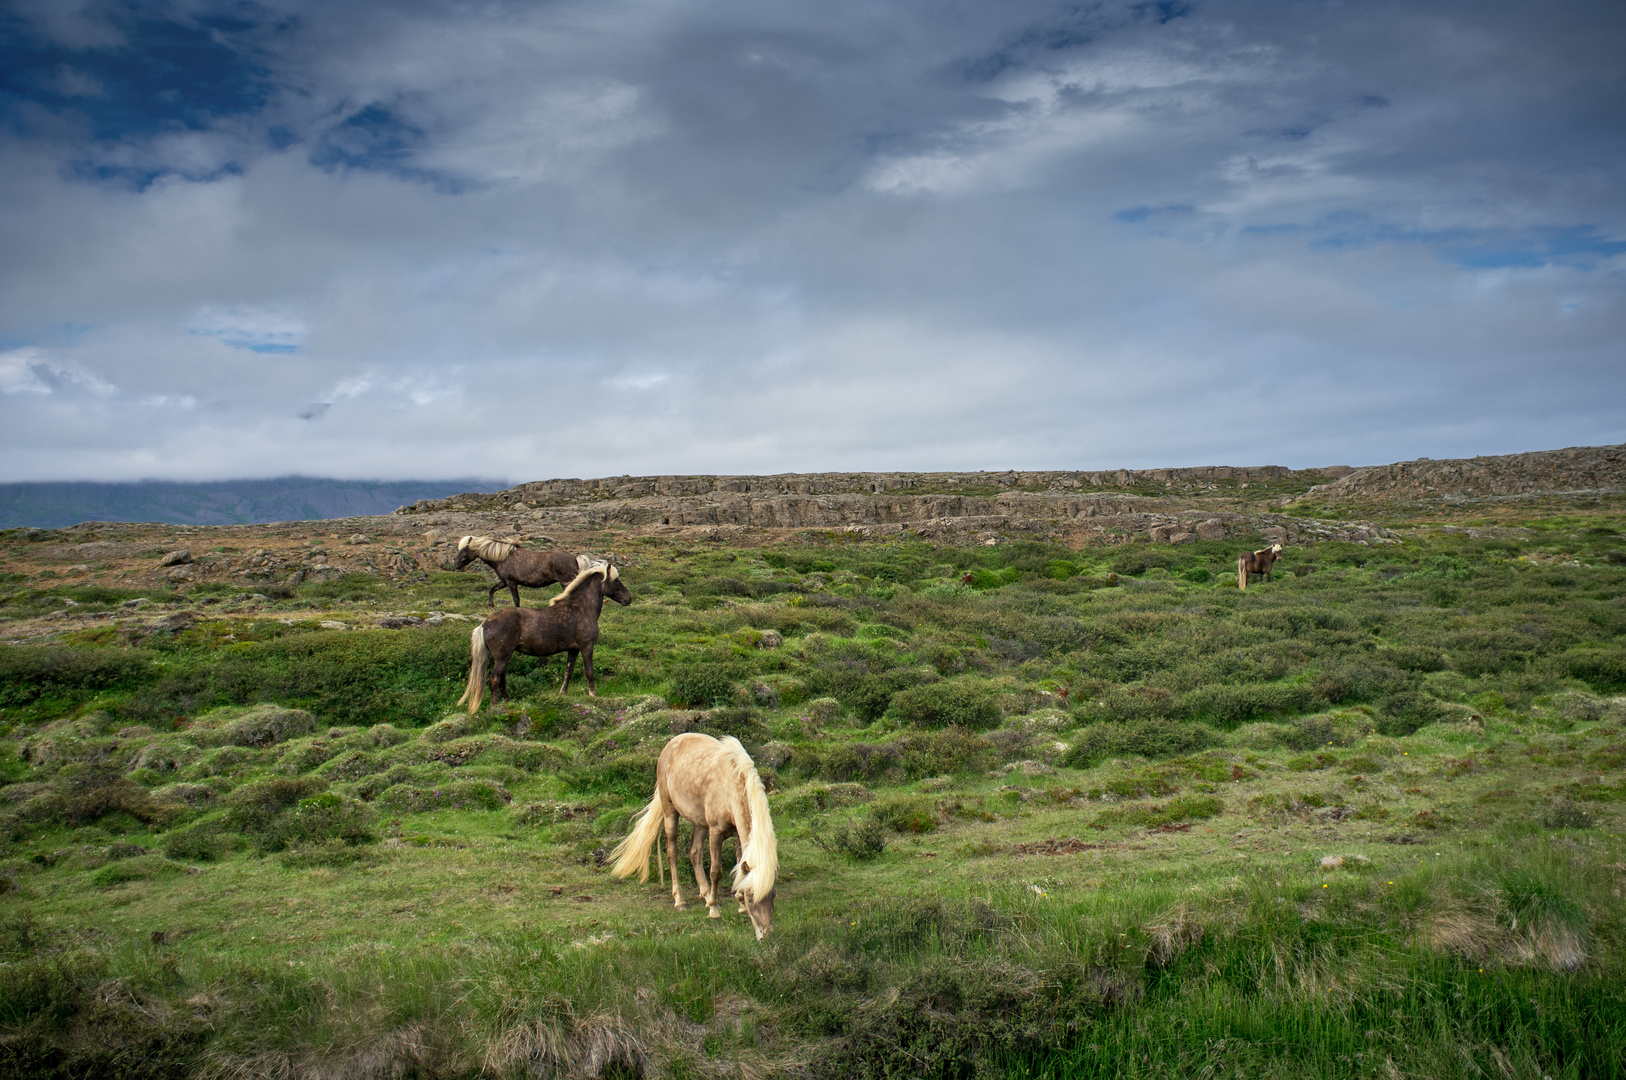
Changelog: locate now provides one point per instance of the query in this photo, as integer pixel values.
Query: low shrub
(905, 813)
(854, 761)
(630, 775)
(951, 703)
(257, 725)
(203, 842)
(1148, 738)
(1403, 713)
(953, 751)
(259, 810)
(1185, 808)
(1228, 706)
(701, 686)
(143, 868)
(860, 839)
(1604, 669)
(1126, 703)
(452, 795)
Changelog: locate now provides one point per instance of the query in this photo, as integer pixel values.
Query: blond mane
(761, 849)
(494, 551)
(609, 572)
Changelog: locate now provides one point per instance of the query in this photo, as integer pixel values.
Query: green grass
(1037, 825)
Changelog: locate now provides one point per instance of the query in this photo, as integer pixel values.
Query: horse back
(699, 776)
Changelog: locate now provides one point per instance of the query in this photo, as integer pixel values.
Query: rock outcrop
(1576, 470)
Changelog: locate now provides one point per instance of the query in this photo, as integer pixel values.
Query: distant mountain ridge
(55, 505)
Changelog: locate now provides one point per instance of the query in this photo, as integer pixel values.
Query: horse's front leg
(587, 669)
(695, 842)
(672, 859)
(717, 837)
(513, 587)
(570, 668)
(491, 593)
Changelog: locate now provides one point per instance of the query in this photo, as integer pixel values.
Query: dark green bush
(860, 839)
(1148, 738)
(1231, 705)
(1198, 574)
(951, 703)
(1126, 703)
(259, 810)
(905, 813)
(202, 842)
(451, 795)
(32, 673)
(631, 776)
(951, 751)
(1603, 669)
(1403, 713)
(1136, 561)
(88, 793)
(701, 686)
(848, 761)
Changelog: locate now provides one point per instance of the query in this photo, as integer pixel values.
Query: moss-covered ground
(1042, 811)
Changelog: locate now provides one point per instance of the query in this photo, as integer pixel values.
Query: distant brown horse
(714, 784)
(568, 623)
(516, 566)
(1256, 562)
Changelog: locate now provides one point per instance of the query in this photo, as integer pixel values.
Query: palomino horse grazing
(714, 784)
(1256, 562)
(516, 566)
(569, 622)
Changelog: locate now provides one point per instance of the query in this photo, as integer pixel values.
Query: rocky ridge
(1576, 470)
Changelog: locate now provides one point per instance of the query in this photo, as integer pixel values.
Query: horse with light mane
(516, 566)
(568, 623)
(1256, 562)
(714, 784)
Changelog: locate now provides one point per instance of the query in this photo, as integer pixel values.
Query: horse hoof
(681, 907)
(713, 913)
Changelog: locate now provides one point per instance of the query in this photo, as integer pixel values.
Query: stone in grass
(1339, 862)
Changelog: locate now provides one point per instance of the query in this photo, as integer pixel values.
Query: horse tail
(1242, 572)
(761, 851)
(631, 855)
(477, 670)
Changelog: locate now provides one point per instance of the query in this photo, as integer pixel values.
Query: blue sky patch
(167, 75)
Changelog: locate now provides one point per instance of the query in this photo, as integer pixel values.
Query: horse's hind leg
(672, 857)
(570, 669)
(695, 843)
(499, 678)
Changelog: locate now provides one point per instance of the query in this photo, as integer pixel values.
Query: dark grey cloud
(587, 238)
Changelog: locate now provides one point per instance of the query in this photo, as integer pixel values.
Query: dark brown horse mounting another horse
(516, 566)
(568, 624)
(1256, 562)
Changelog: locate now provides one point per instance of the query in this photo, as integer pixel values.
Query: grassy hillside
(1042, 812)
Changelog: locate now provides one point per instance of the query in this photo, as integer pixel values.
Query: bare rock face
(1548, 472)
(176, 558)
(1212, 529)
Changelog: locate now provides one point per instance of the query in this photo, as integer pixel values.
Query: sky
(525, 240)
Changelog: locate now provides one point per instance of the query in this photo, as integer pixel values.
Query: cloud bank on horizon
(417, 239)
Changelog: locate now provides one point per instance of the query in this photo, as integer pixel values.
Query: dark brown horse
(1256, 562)
(568, 624)
(516, 566)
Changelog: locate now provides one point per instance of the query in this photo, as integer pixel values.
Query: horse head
(465, 553)
(616, 589)
(761, 911)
